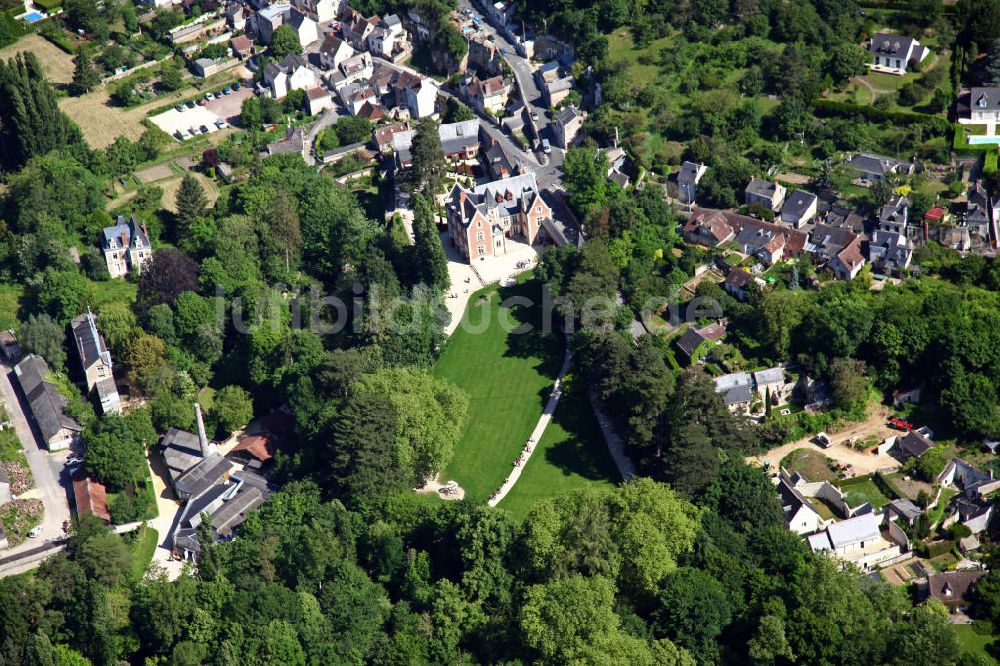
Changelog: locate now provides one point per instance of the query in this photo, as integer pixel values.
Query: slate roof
(568, 114)
(875, 164)
(952, 586)
(690, 172)
(202, 476)
(791, 499)
(737, 278)
(769, 376)
(522, 190)
(915, 444)
(45, 400)
(126, 233)
(181, 451)
(690, 341)
(89, 342)
(762, 188)
(797, 203)
(905, 508)
(737, 387)
(891, 45)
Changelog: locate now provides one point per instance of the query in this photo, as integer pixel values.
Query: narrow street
(46, 468)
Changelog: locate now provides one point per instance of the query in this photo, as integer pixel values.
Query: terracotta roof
(738, 278)
(371, 111)
(851, 255)
(712, 221)
(261, 447)
(317, 93)
(934, 214)
(91, 497)
(714, 331)
(241, 43)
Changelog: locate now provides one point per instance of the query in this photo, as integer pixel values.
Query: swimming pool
(33, 17)
(977, 140)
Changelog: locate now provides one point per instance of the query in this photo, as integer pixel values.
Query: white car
(74, 461)
(34, 532)
(824, 440)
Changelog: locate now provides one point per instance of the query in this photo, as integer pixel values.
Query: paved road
(46, 468)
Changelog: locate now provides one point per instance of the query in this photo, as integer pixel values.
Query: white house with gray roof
(95, 360)
(860, 541)
(126, 246)
(875, 168)
(688, 177)
(984, 109)
(770, 194)
(799, 208)
(892, 54)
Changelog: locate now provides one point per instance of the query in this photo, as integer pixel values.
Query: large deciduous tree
(169, 273)
(430, 262)
(429, 164)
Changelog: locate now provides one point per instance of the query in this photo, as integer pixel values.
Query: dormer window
(982, 101)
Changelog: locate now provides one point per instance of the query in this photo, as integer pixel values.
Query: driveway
(168, 508)
(46, 468)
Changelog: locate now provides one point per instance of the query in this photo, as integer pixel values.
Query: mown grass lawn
(10, 304)
(113, 291)
(507, 378)
(969, 640)
(571, 454)
(142, 552)
(864, 486)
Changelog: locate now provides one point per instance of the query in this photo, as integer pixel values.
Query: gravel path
(625, 465)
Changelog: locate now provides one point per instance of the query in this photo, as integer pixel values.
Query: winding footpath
(615, 446)
(536, 434)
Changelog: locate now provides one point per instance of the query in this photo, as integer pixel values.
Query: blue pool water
(978, 140)
(33, 17)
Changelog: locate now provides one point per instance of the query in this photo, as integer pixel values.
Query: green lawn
(142, 552)
(113, 290)
(507, 378)
(10, 304)
(935, 514)
(810, 463)
(971, 641)
(571, 454)
(864, 486)
(622, 48)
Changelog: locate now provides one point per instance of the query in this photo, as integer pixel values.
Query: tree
(231, 409)
(849, 384)
(32, 123)
(86, 15)
(846, 60)
(693, 612)
(44, 336)
(114, 453)
(171, 77)
(85, 76)
(431, 264)
(145, 355)
(105, 558)
(429, 164)
(457, 112)
(191, 204)
(430, 414)
(743, 496)
(281, 242)
(284, 41)
(364, 463)
(448, 40)
(972, 401)
(118, 325)
(169, 273)
(585, 176)
(353, 129)
(251, 116)
(64, 294)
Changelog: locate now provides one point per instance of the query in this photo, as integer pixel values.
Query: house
(736, 283)
(236, 16)
(972, 514)
(382, 136)
(554, 92)
(954, 588)
(617, 166)
(355, 68)
(334, 50)
(984, 109)
(858, 540)
(9, 348)
(688, 177)
(847, 263)
(769, 382)
(799, 208)
(389, 40)
(417, 25)
(736, 389)
(126, 246)
(894, 215)
(318, 99)
(904, 510)
(501, 12)
(255, 452)
(95, 361)
(975, 483)
(242, 46)
(356, 29)
(844, 218)
(801, 516)
(321, 11)
(889, 252)
(709, 228)
(91, 497)
(767, 240)
(483, 219)
(484, 55)
(488, 96)
(354, 96)
(304, 27)
(567, 123)
(46, 403)
(421, 98)
(226, 503)
(269, 19)
(291, 73)
(372, 112)
(206, 67)
(894, 53)
(294, 142)
(499, 161)
(693, 338)
(875, 168)
(769, 194)
(914, 444)
(459, 141)
(768, 245)
(982, 215)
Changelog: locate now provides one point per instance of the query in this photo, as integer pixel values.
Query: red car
(900, 424)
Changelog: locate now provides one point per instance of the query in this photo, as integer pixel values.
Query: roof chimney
(203, 443)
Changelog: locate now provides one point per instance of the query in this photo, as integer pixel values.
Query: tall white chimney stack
(203, 443)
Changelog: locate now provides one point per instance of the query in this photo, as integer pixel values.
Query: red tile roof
(934, 214)
(261, 447)
(241, 43)
(91, 497)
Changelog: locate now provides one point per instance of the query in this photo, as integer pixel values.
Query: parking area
(182, 122)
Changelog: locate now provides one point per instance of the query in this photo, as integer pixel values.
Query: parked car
(546, 147)
(236, 86)
(534, 115)
(201, 102)
(190, 104)
(74, 461)
(823, 440)
(180, 107)
(204, 129)
(899, 424)
(34, 531)
(208, 95)
(227, 91)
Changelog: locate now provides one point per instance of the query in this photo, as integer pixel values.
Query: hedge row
(826, 107)
(883, 484)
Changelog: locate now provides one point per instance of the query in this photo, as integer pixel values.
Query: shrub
(939, 548)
